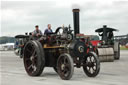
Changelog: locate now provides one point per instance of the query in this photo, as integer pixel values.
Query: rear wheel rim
(30, 59)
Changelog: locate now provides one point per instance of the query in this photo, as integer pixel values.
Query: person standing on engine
(48, 30)
(36, 32)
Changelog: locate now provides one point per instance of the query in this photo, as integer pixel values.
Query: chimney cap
(104, 26)
(76, 10)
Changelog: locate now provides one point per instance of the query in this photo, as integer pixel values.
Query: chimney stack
(76, 21)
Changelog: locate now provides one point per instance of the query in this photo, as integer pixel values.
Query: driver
(48, 30)
(110, 35)
(36, 32)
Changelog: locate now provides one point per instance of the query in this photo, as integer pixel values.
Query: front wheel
(91, 64)
(65, 67)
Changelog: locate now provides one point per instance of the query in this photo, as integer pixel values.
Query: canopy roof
(107, 28)
(21, 36)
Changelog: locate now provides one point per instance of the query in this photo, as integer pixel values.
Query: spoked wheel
(34, 59)
(65, 66)
(91, 65)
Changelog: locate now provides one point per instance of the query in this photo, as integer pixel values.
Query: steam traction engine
(107, 49)
(62, 51)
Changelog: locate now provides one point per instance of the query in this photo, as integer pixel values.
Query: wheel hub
(62, 66)
(32, 59)
(90, 64)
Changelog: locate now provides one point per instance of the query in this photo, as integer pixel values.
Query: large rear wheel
(65, 66)
(34, 59)
(91, 65)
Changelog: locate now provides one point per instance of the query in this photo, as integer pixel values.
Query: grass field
(123, 48)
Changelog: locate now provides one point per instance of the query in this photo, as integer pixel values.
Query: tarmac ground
(13, 73)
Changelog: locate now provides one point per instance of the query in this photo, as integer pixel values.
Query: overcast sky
(19, 17)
